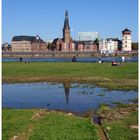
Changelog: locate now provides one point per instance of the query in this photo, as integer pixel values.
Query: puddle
(73, 97)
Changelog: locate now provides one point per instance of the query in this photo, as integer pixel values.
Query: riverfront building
(86, 41)
(126, 40)
(86, 46)
(66, 43)
(112, 45)
(28, 44)
(6, 47)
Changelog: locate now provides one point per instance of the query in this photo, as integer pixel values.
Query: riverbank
(43, 124)
(116, 123)
(124, 76)
(121, 122)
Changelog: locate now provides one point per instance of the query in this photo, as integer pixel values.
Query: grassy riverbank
(120, 123)
(104, 75)
(41, 125)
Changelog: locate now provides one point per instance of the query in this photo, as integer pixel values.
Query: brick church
(66, 43)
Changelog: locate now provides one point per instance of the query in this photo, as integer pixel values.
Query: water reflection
(64, 96)
(67, 86)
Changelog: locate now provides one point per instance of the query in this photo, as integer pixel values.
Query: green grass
(117, 121)
(120, 129)
(52, 126)
(14, 122)
(59, 127)
(122, 77)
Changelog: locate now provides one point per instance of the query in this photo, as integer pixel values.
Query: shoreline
(120, 77)
(103, 83)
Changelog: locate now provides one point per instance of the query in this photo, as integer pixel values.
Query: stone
(134, 126)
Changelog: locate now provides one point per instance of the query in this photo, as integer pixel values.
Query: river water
(64, 96)
(90, 59)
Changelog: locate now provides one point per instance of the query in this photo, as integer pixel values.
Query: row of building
(87, 41)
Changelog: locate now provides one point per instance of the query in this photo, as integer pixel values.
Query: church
(66, 43)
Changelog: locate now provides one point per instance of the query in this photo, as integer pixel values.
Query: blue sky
(46, 17)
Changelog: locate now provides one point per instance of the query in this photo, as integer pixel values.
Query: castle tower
(66, 29)
(126, 40)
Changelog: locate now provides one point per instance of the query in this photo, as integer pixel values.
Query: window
(126, 37)
(125, 41)
(125, 45)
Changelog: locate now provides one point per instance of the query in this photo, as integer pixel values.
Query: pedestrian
(114, 63)
(100, 61)
(123, 59)
(20, 59)
(74, 59)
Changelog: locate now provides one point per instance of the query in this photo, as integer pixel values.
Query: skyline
(46, 18)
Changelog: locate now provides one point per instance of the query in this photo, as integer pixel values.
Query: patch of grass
(14, 121)
(104, 75)
(51, 126)
(117, 103)
(121, 130)
(103, 106)
(56, 126)
(121, 122)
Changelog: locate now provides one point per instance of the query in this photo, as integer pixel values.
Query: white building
(110, 45)
(88, 36)
(103, 46)
(126, 40)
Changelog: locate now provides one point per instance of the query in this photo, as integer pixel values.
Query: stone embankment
(63, 54)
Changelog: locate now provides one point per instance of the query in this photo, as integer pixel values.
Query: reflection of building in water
(67, 89)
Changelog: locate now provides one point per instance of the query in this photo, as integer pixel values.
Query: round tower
(126, 40)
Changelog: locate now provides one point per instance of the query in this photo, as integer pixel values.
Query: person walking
(20, 59)
(123, 59)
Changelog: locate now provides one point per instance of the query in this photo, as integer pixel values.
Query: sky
(46, 18)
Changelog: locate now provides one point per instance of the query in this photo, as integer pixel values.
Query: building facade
(6, 47)
(65, 43)
(126, 40)
(110, 45)
(103, 46)
(28, 44)
(86, 46)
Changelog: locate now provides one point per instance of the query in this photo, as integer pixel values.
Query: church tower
(66, 29)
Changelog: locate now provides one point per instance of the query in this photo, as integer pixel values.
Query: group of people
(114, 62)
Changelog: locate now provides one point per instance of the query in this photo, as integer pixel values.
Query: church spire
(66, 14)
(66, 22)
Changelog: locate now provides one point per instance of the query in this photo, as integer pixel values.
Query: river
(89, 59)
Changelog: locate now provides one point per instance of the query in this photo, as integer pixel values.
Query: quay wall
(57, 54)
